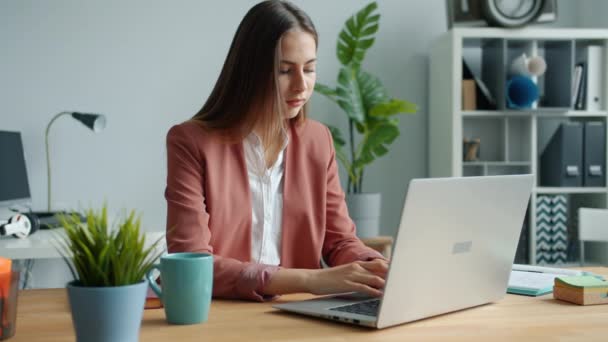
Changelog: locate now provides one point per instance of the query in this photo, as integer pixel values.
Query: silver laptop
(454, 250)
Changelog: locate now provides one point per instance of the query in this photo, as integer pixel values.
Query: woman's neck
(270, 145)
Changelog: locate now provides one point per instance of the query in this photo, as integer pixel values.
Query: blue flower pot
(107, 314)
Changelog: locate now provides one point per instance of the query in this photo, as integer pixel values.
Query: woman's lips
(295, 103)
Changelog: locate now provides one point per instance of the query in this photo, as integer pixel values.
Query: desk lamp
(95, 122)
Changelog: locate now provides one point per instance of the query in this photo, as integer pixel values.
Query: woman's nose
(298, 83)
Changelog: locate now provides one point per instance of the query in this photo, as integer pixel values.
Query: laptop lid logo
(462, 247)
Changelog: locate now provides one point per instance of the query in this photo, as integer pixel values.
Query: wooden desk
(43, 315)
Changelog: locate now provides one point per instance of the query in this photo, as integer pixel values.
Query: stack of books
(582, 290)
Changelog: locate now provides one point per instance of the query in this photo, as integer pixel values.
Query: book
(582, 290)
(536, 280)
(469, 98)
(576, 82)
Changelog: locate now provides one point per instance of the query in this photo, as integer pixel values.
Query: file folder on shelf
(561, 162)
(593, 81)
(595, 155)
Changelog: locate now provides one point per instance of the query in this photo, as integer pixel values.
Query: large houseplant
(371, 113)
(108, 264)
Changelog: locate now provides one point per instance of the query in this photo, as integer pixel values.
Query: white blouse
(266, 185)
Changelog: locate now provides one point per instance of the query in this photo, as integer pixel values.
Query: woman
(255, 183)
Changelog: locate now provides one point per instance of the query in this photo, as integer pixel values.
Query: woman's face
(296, 71)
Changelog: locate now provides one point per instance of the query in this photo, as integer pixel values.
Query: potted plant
(371, 112)
(108, 292)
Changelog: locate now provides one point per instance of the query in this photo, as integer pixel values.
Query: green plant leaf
(99, 256)
(392, 107)
(357, 36)
(349, 95)
(372, 90)
(329, 92)
(375, 143)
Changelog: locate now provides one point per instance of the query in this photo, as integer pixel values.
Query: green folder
(529, 291)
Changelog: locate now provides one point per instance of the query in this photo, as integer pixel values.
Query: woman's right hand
(360, 276)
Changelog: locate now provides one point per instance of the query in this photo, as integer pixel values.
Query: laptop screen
(14, 185)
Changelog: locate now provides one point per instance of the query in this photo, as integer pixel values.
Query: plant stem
(348, 186)
(361, 180)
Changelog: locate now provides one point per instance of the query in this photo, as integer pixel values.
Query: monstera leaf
(349, 96)
(329, 92)
(375, 143)
(358, 36)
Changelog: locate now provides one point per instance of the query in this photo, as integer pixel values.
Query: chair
(592, 226)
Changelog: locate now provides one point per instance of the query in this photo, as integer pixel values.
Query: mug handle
(152, 282)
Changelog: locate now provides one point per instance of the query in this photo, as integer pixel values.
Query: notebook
(536, 280)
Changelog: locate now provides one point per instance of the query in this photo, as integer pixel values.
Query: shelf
(495, 163)
(512, 140)
(566, 190)
(544, 112)
(529, 33)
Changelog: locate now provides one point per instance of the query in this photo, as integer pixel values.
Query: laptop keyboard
(367, 308)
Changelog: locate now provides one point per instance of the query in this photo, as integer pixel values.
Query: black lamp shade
(95, 122)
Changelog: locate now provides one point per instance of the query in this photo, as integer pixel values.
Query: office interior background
(148, 65)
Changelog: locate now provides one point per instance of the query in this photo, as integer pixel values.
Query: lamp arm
(48, 160)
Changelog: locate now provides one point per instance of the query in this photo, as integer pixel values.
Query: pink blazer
(209, 207)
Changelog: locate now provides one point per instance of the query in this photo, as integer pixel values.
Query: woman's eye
(284, 71)
(310, 71)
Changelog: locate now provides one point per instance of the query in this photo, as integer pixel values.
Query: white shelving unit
(511, 139)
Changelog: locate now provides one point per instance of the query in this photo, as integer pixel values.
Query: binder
(561, 163)
(484, 99)
(593, 78)
(594, 155)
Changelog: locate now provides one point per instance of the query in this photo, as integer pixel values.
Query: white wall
(150, 64)
(593, 14)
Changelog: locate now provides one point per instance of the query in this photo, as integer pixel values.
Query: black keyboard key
(367, 308)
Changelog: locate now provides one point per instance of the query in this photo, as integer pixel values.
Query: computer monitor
(14, 185)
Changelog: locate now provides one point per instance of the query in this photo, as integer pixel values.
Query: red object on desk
(5, 276)
(6, 326)
(152, 300)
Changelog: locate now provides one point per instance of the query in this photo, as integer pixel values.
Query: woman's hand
(360, 276)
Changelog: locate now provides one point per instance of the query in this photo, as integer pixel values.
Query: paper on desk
(536, 280)
(543, 269)
(531, 280)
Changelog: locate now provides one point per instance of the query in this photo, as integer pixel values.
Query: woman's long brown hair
(246, 92)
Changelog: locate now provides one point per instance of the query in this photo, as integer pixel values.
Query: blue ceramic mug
(187, 283)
